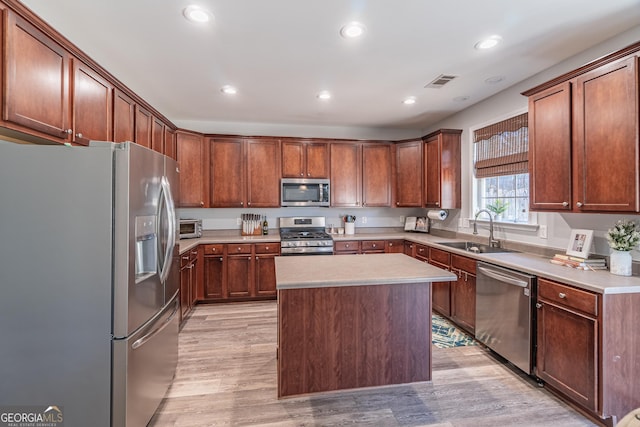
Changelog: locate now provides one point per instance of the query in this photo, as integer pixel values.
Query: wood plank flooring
(227, 377)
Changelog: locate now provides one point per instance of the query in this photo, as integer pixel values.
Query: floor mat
(446, 335)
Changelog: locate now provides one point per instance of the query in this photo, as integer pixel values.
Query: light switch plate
(542, 232)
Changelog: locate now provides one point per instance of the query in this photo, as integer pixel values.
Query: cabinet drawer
(268, 248)
(351, 245)
(422, 252)
(441, 257)
(567, 296)
(372, 245)
(463, 263)
(213, 249)
(242, 248)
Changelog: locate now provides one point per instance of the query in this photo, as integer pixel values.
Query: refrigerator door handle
(142, 340)
(167, 201)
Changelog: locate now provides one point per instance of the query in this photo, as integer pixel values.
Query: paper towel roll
(437, 215)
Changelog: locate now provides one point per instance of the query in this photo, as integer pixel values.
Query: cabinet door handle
(562, 295)
(579, 204)
(185, 257)
(538, 305)
(565, 204)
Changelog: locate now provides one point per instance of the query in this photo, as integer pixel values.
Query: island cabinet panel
(36, 87)
(353, 336)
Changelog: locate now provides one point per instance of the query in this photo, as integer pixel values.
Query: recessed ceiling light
(409, 100)
(324, 95)
(495, 79)
(488, 43)
(229, 90)
(196, 14)
(352, 30)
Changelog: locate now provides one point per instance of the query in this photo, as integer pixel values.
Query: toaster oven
(190, 228)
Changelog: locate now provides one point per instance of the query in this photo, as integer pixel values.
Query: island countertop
(318, 271)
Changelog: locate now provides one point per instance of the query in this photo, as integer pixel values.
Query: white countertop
(293, 272)
(601, 282)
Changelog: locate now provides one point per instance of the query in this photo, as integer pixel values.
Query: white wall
(510, 102)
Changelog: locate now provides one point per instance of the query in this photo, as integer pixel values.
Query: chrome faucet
(492, 242)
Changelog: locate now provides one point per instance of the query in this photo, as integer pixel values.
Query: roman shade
(502, 148)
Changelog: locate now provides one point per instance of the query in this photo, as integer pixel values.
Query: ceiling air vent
(440, 81)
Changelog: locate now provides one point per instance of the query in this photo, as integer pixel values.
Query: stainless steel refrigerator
(89, 279)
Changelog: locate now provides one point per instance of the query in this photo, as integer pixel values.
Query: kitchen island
(353, 321)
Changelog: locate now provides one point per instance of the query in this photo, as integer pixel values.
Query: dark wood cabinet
(37, 76)
(394, 246)
(440, 291)
(442, 169)
(409, 174)
(213, 280)
(157, 135)
(188, 282)
(463, 292)
(372, 246)
(265, 269)
(346, 174)
(124, 113)
(376, 175)
(239, 279)
(143, 127)
(346, 247)
(192, 161)
(305, 159)
(584, 140)
(170, 148)
(567, 341)
(410, 249)
(245, 173)
(92, 105)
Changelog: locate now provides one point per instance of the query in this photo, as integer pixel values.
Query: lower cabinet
(463, 292)
(440, 291)
(188, 282)
(239, 271)
(346, 247)
(567, 341)
(394, 246)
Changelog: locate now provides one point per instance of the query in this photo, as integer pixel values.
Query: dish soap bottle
(265, 226)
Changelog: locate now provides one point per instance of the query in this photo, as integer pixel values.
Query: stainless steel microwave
(304, 192)
(190, 228)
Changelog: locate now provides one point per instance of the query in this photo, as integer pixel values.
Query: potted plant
(622, 238)
(498, 208)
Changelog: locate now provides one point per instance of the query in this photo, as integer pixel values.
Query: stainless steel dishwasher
(504, 313)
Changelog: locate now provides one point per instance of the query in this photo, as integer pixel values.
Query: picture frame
(580, 243)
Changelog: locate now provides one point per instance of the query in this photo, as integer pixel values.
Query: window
(501, 169)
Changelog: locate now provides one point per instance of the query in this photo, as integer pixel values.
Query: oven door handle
(503, 278)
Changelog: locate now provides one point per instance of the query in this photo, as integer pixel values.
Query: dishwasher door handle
(503, 278)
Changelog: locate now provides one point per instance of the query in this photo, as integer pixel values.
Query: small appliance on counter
(190, 228)
(417, 223)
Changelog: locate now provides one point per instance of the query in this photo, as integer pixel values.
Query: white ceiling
(281, 53)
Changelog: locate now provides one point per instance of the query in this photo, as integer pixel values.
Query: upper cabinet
(143, 127)
(92, 105)
(442, 169)
(31, 101)
(409, 174)
(583, 138)
(245, 172)
(305, 159)
(192, 160)
(124, 113)
(377, 175)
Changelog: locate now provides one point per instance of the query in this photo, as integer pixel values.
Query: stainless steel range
(304, 236)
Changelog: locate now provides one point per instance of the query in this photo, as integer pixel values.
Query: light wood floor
(227, 377)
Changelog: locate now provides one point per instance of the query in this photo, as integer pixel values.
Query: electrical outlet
(465, 222)
(238, 221)
(364, 219)
(542, 232)
(401, 220)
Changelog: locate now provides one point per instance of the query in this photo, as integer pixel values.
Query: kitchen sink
(479, 248)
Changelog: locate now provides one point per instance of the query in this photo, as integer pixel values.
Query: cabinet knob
(308, 174)
(239, 249)
(241, 203)
(266, 248)
(248, 203)
(201, 203)
(437, 203)
(565, 204)
(301, 173)
(374, 245)
(562, 295)
(79, 135)
(68, 131)
(538, 305)
(220, 259)
(398, 203)
(346, 246)
(579, 204)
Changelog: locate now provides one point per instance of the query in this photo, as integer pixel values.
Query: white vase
(349, 228)
(620, 263)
